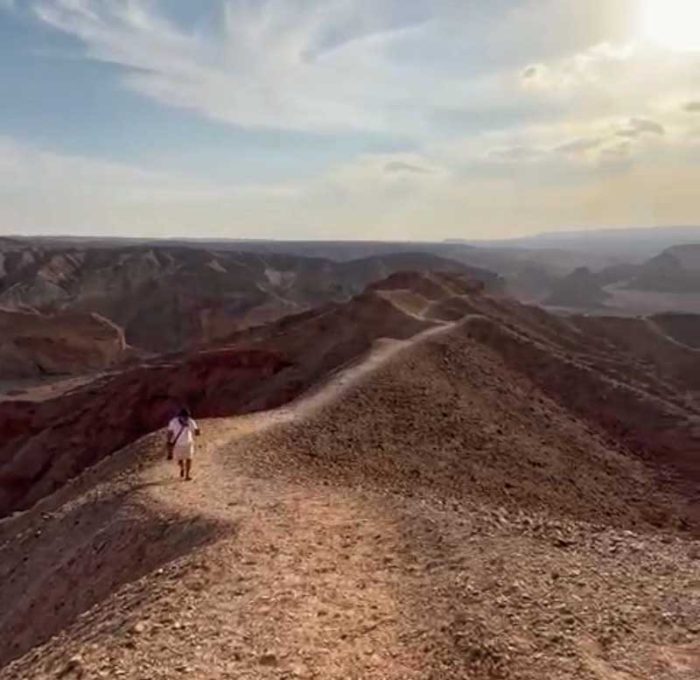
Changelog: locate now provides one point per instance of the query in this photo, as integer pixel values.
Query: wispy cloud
(516, 154)
(372, 196)
(268, 64)
(547, 101)
(579, 146)
(641, 126)
(398, 167)
(355, 65)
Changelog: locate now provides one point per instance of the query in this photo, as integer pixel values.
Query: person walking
(181, 432)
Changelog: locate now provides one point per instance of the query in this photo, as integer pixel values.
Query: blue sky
(348, 118)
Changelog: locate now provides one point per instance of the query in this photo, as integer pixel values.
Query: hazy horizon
(673, 235)
(347, 120)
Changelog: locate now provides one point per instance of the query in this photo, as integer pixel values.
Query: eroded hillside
(167, 298)
(34, 345)
(453, 485)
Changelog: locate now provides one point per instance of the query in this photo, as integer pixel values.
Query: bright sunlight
(673, 24)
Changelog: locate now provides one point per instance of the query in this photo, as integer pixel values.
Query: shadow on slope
(46, 443)
(683, 328)
(79, 546)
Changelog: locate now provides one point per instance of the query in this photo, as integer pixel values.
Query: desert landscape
(349, 340)
(428, 479)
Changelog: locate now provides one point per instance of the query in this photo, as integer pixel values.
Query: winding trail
(303, 578)
(264, 574)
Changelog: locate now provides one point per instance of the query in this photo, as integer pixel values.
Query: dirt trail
(290, 558)
(323, 580)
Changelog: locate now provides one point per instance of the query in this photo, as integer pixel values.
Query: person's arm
(195, 427)
(169, 436)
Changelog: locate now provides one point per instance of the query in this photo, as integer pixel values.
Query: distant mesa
(676, 270)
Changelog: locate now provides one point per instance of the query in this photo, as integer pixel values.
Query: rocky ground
(406, 521)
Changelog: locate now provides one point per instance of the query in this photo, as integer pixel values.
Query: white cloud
(372, 196)
(368, 64)
(270, 64)
(606, 78)
(603, 113)
(588, 68)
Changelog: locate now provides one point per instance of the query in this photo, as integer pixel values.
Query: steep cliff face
(45, 443)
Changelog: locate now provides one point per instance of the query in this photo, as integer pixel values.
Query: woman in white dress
(181, 432)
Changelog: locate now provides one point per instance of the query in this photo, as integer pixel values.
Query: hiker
(181, 429)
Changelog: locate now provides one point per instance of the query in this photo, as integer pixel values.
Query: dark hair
(183, 416)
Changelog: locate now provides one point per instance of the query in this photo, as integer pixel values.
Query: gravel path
(281, 561)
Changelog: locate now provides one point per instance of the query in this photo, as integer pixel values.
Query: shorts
(183, 452)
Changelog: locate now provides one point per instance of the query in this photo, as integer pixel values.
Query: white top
(185, 439)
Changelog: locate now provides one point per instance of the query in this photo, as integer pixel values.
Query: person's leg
(188, 469)
(181, 463)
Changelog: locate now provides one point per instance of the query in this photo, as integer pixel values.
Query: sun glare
(673, 24)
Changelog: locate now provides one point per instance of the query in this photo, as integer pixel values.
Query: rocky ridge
(463, 487)
(167, 298)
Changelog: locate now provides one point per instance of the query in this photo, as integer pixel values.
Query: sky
(347, 119)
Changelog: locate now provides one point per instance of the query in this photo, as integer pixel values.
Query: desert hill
(667, 282)
(430, 481)
(33, 344)
(166, 297)
(578, 289)
(676, 270)
(627, 277)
